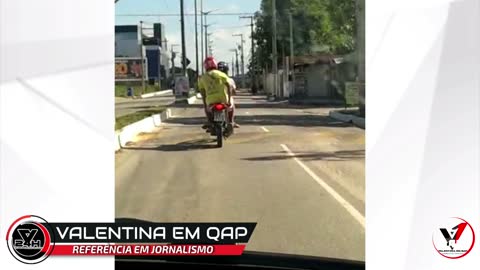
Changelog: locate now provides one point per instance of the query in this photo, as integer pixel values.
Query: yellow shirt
(214, 85)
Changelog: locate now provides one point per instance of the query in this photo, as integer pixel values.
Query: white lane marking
(265, 129)
(350, 209)
(247, 112)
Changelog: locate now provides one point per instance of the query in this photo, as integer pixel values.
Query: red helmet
(210, 63)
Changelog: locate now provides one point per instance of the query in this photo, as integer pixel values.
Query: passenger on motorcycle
(223, 67)
(215, 88)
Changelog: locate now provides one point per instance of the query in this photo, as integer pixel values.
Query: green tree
(319, 25)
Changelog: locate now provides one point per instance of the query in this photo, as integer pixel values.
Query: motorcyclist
(215, 88)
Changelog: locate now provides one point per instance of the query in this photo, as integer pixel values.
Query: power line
(178, 15)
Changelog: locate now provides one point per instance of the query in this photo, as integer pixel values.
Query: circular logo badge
(28, 239)
(454, 238)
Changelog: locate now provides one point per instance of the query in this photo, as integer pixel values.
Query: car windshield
(286, 150)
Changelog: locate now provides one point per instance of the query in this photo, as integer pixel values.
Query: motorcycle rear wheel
(218, 131)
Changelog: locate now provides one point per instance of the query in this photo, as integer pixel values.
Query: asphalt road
(127, 106)
(297, 173)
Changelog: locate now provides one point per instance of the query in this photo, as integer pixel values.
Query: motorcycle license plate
(219, 116)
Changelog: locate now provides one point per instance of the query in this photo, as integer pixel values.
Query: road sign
(181, 85)
(352, 93)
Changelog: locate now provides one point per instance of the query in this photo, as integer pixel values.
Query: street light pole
(252, 66)
(242, 58)
(206, 36)
(292, 64)
(196, 40)
(142, 56)
(184, 54)
(233, 67)
(204, 14)
(173, 60)
(236, 57)
(210, 44)
(201, 34)
(274, 48)
(207, 39)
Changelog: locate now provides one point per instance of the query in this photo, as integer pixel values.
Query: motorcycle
(220, 123)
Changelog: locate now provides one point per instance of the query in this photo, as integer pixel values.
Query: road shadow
(270, 120)
(182, 146)
(261, 105)
(327, 156)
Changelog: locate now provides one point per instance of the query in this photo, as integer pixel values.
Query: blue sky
(223, 29)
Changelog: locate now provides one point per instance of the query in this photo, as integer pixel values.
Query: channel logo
(28, 240)
(454, 238)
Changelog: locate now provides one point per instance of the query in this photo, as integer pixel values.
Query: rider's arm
(230, 88)
(201, 88)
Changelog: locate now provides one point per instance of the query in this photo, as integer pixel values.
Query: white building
(128, 40)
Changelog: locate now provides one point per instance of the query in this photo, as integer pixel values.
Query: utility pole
(206, 39)
(236, 57)
(361, 53)
(204, 14)
(173, 60)
(209, 44)
(206, 36)
(142, 56)
(233, 67)
(291, 62)
(242, 58)
(201, 34)
(252, 66)
(196, 41)
(274, 48)
(184, 54)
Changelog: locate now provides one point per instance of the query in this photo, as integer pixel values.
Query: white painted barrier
(158, 93)
(128, 133)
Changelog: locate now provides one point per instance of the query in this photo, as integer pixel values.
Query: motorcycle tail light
(219, 107)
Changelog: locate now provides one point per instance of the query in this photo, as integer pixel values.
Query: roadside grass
(121, 90)
(128, 119)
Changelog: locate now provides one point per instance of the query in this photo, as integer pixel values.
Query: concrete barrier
(158, 93)
(359, 122)
(129, 133)
(348, 118)
(191, 100)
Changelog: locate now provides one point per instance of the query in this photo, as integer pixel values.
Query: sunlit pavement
(297, 173)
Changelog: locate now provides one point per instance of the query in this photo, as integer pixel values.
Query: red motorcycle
(220, 122)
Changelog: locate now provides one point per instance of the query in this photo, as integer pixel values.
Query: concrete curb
(191, 100)
(158, 93)
(127, 134)
(347, 118)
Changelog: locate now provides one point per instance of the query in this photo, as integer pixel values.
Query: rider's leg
(209, 116)
(231, 116)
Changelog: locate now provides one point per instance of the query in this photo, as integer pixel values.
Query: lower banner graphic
(146, 250)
